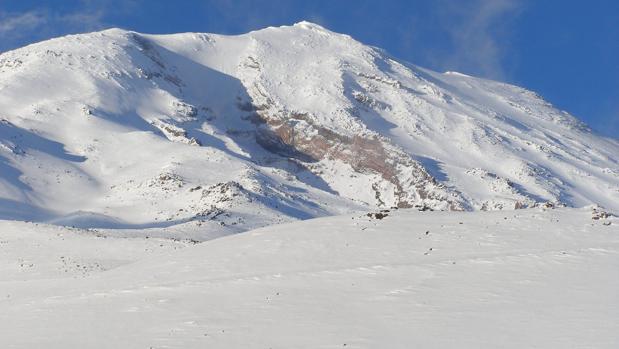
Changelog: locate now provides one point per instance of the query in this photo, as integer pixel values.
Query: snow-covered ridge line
(122, 129)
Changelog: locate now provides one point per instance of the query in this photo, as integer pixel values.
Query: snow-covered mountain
(121, 129)
(156, 142)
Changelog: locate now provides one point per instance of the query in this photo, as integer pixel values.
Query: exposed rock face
(299, 135)
(296, 136)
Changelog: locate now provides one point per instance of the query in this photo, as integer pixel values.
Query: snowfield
(533, 278)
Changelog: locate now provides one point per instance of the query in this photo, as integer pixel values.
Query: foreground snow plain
(533, 278)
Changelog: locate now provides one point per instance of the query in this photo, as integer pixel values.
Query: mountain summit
(122, 129)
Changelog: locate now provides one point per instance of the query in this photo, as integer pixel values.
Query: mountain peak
(309, 25)
(115, 31)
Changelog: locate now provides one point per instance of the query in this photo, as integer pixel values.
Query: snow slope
(117, 129)
(532, 278)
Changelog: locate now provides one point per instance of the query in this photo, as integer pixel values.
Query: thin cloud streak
(44, 22)
(479, 33)
(19, 24)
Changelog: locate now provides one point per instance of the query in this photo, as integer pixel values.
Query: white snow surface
(531, 278)
(222, 134)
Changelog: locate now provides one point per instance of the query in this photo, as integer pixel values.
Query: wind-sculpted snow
(127, 130)
(538, 277)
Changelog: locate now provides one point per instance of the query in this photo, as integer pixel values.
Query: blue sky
(566, 50)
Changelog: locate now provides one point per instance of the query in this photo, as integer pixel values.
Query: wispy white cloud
(41, 23)
(19, 28)
(244, 14)
(20, 24)
(479, 31)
